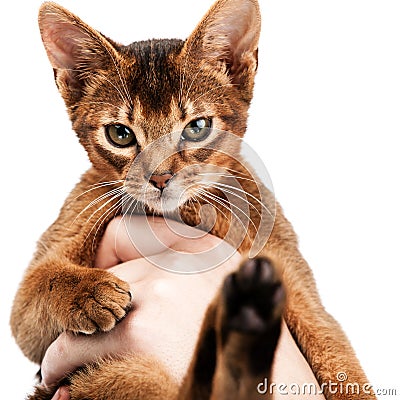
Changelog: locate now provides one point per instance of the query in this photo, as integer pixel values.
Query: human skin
(167, 311)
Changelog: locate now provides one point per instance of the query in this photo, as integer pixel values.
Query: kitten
(121, 99)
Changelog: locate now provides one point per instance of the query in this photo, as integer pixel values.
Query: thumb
(61, 394)
(69, 352)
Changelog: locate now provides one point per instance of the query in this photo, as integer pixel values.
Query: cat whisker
(104, 196)
(202, 196)
(216, 198)
(220, 201)
(124, 100)
(118, 228)
(223, 187)
(98, 186)
(117, 191)
(213, 184)
(222, 175)
(212, 89)
(123, 81)
(110, 104)
(182, 75)
(107, 183)
(201, 66)
(235, 171)
(100, 221)
(112, 199)
(122, 78)
(129, 202)
(126, 204)
(119, 205)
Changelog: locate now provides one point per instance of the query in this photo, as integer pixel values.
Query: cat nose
(160, 181)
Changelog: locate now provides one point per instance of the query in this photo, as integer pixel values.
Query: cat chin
(164, 205)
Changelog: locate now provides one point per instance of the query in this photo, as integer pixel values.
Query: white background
(325, 120)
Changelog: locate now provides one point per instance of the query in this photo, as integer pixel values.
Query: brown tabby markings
(157, 87)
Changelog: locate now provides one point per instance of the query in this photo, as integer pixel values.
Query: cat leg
(60, 291)
(325, 346)
(318, 335)
(248, 319)
(127, 378)
(58, 296)
(42, 393)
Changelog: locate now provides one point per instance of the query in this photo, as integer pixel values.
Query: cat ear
(229, 34)
(74, 49)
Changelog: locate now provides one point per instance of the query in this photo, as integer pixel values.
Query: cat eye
(120, 136)
(197, 130)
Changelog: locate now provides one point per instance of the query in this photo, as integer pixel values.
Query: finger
(107, 254)
(177, 247)
(61, 394)
(70, 351)
(133, 237)
(152, 236)
(118, 242)
(167, 244)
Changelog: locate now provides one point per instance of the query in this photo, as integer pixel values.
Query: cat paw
(254, 297)
(253, 303)
(100, 301)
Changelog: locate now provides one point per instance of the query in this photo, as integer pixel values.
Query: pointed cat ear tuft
(73, 48)
(229, 33)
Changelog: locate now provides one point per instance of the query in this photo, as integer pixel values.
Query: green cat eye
(197, 130)
(120, 136)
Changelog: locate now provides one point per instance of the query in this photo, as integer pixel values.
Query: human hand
(168, 308)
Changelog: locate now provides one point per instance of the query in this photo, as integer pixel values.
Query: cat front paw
(99, 301)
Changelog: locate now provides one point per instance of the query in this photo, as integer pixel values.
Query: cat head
(169, 103)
